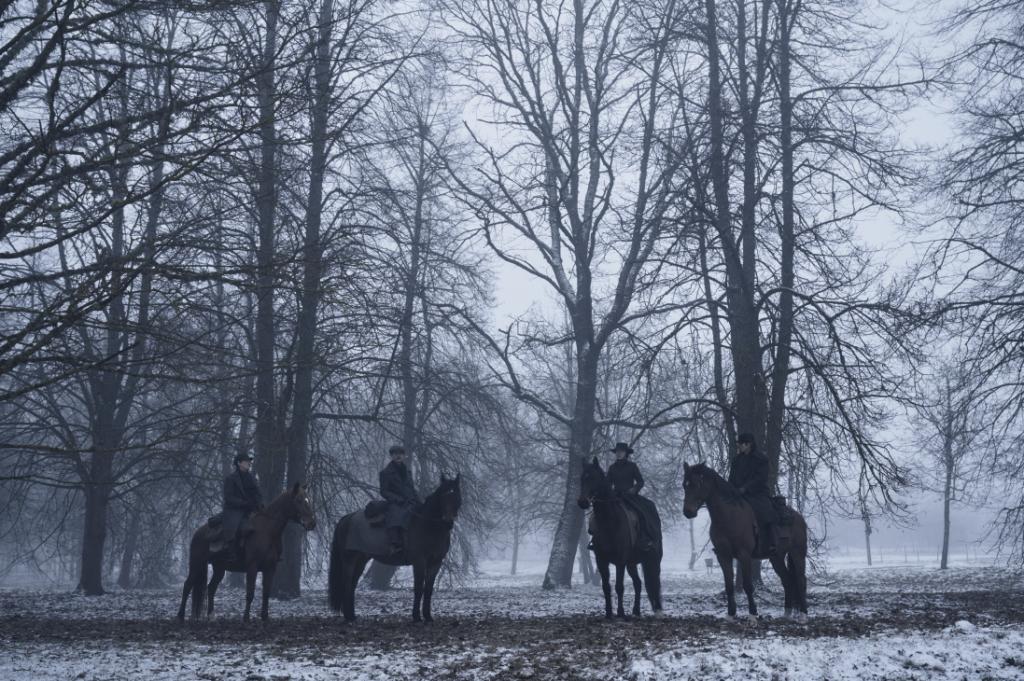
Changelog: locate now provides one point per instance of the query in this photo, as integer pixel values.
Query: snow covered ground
(896, 621)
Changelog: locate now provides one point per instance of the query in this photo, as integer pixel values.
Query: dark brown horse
(427, 540)
(734, 536)
(261, 553)
(615, 542)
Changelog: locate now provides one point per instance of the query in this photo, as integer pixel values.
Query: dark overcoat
(750, 474)
(397, 489)
(626, 481)
(242, 496)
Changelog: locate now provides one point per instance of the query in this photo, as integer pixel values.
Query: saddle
(376, 512)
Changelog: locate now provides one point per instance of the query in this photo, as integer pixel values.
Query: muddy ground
(516, 631)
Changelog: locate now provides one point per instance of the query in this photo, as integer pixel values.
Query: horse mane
(432, 501)
(605, 486)
(726, 488)
(273, 509)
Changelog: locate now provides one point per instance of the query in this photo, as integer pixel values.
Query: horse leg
(198, 571)
(354, 570)
(725, 562)
(779, 565)
(184, 596)
(637, 587)
(798, 576)
(250, 589)
(418, 574)
(747, 572)
(428, 589)
(211, 588)
(620, 588)
(268, 583)
(606, 587)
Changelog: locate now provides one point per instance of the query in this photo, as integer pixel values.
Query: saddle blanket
(365, 537)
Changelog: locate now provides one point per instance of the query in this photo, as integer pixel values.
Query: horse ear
(458, 478)
(596, 462)
(296, 488)
(443, 478)
(686, 467)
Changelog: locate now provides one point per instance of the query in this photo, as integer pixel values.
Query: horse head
(593, 484)
(300, 510)
(696, 488)
(449, 497)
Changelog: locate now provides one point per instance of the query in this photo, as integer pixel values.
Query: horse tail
(652, 578)
(335, 572)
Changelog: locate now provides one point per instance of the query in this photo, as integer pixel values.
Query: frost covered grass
(891, 622)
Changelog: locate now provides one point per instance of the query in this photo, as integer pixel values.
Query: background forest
(296, 228)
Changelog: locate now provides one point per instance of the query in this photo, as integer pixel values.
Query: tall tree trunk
(269, 460)
(515, 543)
(742, 314)
(780, 372)
(312, 252)
(131, 544)
(693, 543)
(588, 574)
(570, 521)
(410, 389)
(97, 500)
(867, 535)
(947, 494)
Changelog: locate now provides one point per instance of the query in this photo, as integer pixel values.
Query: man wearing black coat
(242, 497)
(626, 481)
(750, 472)
(397, 489)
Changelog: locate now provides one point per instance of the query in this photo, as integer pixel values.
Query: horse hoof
(752, 620)
(801, 617)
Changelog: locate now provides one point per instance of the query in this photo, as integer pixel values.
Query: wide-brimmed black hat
(396, 449)
(746, 437)
(242, 457)
(622, 447)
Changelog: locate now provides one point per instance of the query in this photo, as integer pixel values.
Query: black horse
(427, 540)
(734, 536)
(615, 541)
(261, 553)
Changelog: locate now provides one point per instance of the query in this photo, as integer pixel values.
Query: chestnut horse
(260, 554)
(734, 536)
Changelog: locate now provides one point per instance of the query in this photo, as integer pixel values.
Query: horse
(734, 536)
(260, 554)
(615, 543)
(427, 540)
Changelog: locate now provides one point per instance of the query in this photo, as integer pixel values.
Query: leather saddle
(376, 512)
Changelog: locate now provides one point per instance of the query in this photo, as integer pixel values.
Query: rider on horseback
(624, 476)
(397, 489)
(750, 474)
(242, 497)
